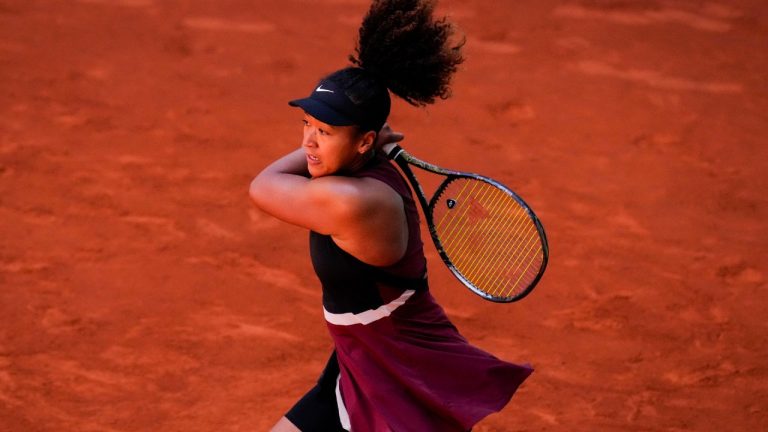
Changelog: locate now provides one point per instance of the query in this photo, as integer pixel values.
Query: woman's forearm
(273, 180)
(294, 163)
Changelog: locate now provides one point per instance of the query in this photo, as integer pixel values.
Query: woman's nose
(310, 135)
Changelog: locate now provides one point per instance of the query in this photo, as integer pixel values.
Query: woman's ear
(366, 144)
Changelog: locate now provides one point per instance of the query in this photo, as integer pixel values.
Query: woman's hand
(386, 139)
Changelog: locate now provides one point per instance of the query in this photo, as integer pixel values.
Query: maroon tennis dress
(402, 365)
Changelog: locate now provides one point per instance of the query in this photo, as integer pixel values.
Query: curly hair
(408, 50)
(401, 49)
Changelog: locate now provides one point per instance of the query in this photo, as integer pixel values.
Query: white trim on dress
(343, 414)
(369, 316)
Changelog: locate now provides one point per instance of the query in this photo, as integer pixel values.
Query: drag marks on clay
(220, 24)
(660, 142)
(740, 200)
(50, 384)
(176, 355)
(55, 320)
(251, 268)
(23, 266)
(56, 377)
(50, 414)
(706, 374)
(215, 230)
(164, 229)
(738, 271)
(169, 371)
(156, 360)
(85, 381)
(113, 189)
(708, 320)
(217, 323)
(598, 313)
(549, 417)
(160, 231)
(625, 222)
(655, 79)
(712, 18)
(621, 224)
(513, 111)
(642, 404)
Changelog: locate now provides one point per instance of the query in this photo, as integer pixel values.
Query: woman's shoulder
(373, 227)
(356, 199)
(385, 172)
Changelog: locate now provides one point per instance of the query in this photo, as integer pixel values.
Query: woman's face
(332, 149)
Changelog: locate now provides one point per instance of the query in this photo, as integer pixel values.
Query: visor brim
(322, 112)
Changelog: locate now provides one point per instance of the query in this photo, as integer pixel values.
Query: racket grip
(394, 151)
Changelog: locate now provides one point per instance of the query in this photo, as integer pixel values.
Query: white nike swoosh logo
(321, 89)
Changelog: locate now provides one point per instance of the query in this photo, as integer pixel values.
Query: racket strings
(488, 236)
(456, 228)
(474, 258)
(454, 221)
(498, 256)
(504, 256)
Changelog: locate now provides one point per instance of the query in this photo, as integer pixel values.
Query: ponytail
(408, 50)
(401, 49)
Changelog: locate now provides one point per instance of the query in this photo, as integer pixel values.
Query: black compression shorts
(317, 410)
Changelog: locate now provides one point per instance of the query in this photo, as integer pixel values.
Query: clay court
(141, 291)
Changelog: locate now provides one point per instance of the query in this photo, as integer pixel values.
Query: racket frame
(403, 159)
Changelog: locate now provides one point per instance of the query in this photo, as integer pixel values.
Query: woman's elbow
(256, 190)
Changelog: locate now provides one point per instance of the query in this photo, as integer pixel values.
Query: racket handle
(394, 151)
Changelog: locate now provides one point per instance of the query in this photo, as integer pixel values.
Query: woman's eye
(322, 132)
(304, 122)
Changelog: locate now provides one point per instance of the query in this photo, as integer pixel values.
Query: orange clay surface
(141, 291)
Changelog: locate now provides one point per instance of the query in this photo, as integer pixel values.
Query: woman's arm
(294, 163)
(325, 205)
(364, 216)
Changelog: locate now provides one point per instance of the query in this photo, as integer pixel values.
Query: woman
(398, 364)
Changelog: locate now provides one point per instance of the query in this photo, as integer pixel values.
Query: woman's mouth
(312, 159)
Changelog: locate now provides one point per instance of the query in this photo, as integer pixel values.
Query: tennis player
(399, 364)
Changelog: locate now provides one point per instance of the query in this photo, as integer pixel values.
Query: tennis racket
(487, 235)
